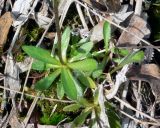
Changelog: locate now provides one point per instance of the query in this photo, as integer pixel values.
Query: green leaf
(106, 34)
(96, 96)
(122, 52)
(70, 85)
(78, 121)
(132, 57)
(91, 83)
(65, 42)
(100, 68)
(40, 54)
(74, 39)
(113, 117)
(84, 102)
(83, 40)
(117, 60)
(45, 83)
(82, 51)
(60, 90)
(87, 65)
(71, 108)
(97, 73)
(39, 65)
(86, 80)
(137, 56)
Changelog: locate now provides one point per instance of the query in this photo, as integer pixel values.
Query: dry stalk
(139, 121)
(25, 121)
(81, 16)
(138, 98)
(89, 15)
(132, 108)
(33, 96)
(138, 8)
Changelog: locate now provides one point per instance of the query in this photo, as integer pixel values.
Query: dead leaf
(104, 5)
(11, 79)
(138, 27)
(50, 35)
(113, 5)
(97, 32)
(146, 72)
(5, 24)
(96, 5)
(21, 9)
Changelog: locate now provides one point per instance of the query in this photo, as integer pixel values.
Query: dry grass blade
(132, 108)
(25, 121)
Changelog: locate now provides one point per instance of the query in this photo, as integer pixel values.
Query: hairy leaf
(87, 65)
(60, 90)
(71, 108)
(39, 65)
(87, 81)
(65, 42)
(78, 121)
(82, 51)
(40, 54)
(70, 85)
(137, 56)
(46, 82)
(132, 57)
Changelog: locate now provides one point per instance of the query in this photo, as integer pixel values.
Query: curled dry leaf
(21, 9)
(138, 27)
(41, 17)
(5, 24)
(146, 72)
(97, 32)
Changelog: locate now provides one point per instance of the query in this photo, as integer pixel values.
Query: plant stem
(57, 29)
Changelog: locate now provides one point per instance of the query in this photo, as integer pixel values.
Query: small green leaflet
(106, 34)
(78, 121)
(70, 85)
(87, 81)
(136, 56)
(132, 57)
(65, 42)
(82, 51)
(71, 108)
(60, 90)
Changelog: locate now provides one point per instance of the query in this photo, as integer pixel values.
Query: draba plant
(75, 71)
(71, 72)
